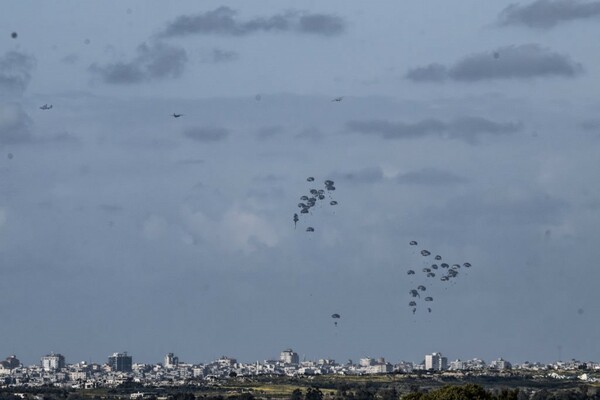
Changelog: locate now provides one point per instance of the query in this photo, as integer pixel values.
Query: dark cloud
(321, 24)
(61, 137)
(429, 176)
(466, 128)
(590, 125)
(206, 134)
(501, 209)
(312, 134)
(548, 13)
(365, 175)
(15, 72)
(153, 61)
(219, 56)
(269, 132)
(428, 73)
(15, 124)
(509, 62)
(70, 59)
(224, 21)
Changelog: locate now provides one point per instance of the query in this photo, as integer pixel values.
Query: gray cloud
(465, 128)
(590, 125)
(206, 134)
(219, 56)
(509, 62)
(269, 132)
(548, 13)
(322, 24)
(15, 72)
(365, 175)
(61, 137)
(155, 61)
(429, 73)
(429, 176)
(15, 124)
(110, 208)
(224, 21)
(312, 134)
(70, 59)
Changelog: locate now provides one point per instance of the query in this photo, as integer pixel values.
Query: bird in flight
(338, 98)
(177, 115)
(46, 107)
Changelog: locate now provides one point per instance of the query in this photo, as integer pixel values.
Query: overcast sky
(473, 129)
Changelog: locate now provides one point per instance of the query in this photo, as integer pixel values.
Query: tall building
(53, 362)
(120, 362)
(436, 362)
(171, 361)
(500, 364)
(288, 356)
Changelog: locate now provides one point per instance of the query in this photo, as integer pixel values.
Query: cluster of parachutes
(445, 271)
(314, 197)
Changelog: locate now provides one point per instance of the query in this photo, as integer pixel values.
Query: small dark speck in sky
(258, 97)
(129, 11)
(14, 35)
(86, 41)
(10, 156)
(580, 311)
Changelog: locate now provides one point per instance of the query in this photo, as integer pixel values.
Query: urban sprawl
(54, 371)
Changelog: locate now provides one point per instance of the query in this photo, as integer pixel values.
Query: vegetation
(379, 387)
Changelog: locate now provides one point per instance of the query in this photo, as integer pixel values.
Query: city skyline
(175, 359)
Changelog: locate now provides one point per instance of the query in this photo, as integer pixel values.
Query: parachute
(413, 243)
(410, 272)
(428, 298)
(438, 257)
(310, 179)
(310, 229)
(422, 288)
(425, 253)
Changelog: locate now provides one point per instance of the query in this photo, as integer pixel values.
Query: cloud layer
(466, 128)
(153, 61)
(206, 134)
(224, 21)
(548, 13)
(15, 72)
(15, 124)
(509, 62)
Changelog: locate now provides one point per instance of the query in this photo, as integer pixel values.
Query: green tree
(296, 395)
(313, 393)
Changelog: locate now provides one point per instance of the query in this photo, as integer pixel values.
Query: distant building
(288, 356)
(120, 362)
(53, 362)
(171, 361)
(436, 362)
(500, 364)
(366, 362)
(11, 362)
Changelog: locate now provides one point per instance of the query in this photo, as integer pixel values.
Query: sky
(472, 129)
